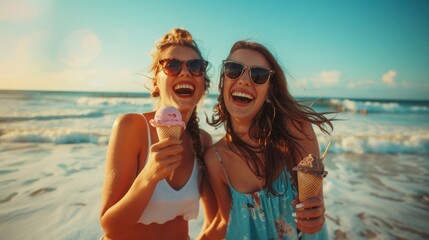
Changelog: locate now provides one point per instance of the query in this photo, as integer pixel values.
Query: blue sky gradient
(358, 49)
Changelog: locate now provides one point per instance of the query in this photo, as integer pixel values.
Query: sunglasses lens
(171, 67)
(196, 67)
(232, 70)
(260, 75)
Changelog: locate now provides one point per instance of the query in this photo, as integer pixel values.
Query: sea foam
(57, 136)
(366, 106)
(342, 142)
(51, 115)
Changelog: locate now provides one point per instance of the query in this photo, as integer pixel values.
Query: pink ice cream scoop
(167, 117)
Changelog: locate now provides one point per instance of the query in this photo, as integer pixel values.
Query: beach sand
(377, 196)
(51, 191)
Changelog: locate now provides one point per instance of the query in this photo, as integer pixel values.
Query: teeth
(242, 94)
(183, 85)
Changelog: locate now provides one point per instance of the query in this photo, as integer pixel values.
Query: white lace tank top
(167, 203)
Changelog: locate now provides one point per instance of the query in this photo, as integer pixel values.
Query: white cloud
(363, 83)
(79, 48)
(389, 78)
(326, 78)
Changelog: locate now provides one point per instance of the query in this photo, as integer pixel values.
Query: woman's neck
(241, 129)
(186, 116)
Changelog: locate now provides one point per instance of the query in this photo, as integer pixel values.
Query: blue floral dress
(263, 215)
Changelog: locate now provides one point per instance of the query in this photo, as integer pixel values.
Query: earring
(273, 107)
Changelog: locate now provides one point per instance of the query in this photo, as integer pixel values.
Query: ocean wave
(114, 101)
(56, 136)
(341, 143)
(383, 144)
(44, 116)
(366, 106)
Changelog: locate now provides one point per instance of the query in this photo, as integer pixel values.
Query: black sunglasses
(234, 70)
(172, 67)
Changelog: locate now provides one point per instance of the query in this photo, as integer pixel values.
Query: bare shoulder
(206, 139)
(214, 158)
(129, 120)
(209, 154)
(307, 139)
(302, 130)
(213, 154)
(128, 129)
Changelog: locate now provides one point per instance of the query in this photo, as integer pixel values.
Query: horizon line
(209, 94)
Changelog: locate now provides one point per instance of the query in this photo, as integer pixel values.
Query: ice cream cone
(308, 185)
(311, 172)
(168, 123)
(167, 131)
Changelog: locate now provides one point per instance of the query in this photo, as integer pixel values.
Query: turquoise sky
(358, 49)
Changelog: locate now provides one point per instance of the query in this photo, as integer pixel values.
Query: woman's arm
(208, 199)
(310, 213)
(217, 179)
(126, 194)
(210, 206)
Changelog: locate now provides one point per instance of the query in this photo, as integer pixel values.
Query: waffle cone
(309, 185)
(165, 131)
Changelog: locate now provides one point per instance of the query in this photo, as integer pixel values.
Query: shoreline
(55, 192)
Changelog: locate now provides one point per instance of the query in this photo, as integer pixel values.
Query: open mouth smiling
(184, 89)
(241, 97)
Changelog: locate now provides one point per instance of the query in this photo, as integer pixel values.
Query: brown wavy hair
(271, 125)
(181, 37)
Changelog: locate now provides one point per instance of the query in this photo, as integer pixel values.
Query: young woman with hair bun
(139, 200)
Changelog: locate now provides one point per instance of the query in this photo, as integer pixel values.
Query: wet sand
(50, 191)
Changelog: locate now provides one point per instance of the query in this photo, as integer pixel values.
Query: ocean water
(53, 146)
